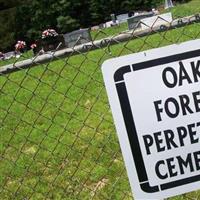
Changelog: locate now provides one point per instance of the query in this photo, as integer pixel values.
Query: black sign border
(130, 124)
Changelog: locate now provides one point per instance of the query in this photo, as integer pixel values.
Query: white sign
(155, 101)
(158, 20)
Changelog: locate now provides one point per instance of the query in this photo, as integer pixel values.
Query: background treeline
(25, 20)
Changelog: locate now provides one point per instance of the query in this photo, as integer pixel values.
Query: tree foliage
(31, 17)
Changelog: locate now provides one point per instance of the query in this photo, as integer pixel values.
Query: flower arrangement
(49, 33)
(33, 46)
(20, 45)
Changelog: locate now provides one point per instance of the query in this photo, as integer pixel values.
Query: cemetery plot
(77, 37)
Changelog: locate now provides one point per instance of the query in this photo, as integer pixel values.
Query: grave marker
(133, 22)
(168, 4)
(77, 37)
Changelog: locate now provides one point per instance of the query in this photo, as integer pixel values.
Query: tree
(66, 24)
(7, 36)
(29, 19)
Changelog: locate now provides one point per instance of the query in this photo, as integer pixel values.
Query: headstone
(122, 18)
(158, 20)
(94, 28)
(77, 37)
(101, 26)
(131, 14)
(109, 24)
(113, 18)
(9, 55)
(133, 21)
(2, 56)
(168, 4)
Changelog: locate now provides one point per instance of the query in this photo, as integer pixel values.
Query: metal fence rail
(102, 43)
(58, 140)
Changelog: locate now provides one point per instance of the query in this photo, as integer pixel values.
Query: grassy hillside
(60, 143)
(180, 10)
(57, 138)
(186, 9)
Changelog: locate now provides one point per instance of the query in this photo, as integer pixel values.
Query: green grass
(60, 143)
(57, 138)
(106, 32)
(24, 56)
(186, 9)
(180, 10)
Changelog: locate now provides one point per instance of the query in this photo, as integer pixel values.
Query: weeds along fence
(57, 135)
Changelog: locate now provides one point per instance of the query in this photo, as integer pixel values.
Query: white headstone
(122, 18)
(158, 20)
(133, 22)
(168, 4)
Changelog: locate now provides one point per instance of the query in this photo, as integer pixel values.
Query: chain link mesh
(58, 140)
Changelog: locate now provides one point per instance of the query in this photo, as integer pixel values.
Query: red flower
(49, 33)
(20, 45)
(33, 46)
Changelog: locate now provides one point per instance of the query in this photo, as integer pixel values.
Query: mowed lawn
(57, 138)
(106, 32)
(179, 11)
(186, 9)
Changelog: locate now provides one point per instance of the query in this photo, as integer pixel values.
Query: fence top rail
(97, 44)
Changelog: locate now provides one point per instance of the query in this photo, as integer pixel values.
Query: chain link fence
(57, 135)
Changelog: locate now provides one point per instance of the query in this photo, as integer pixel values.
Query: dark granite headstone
(101, 26)
(77, 37)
